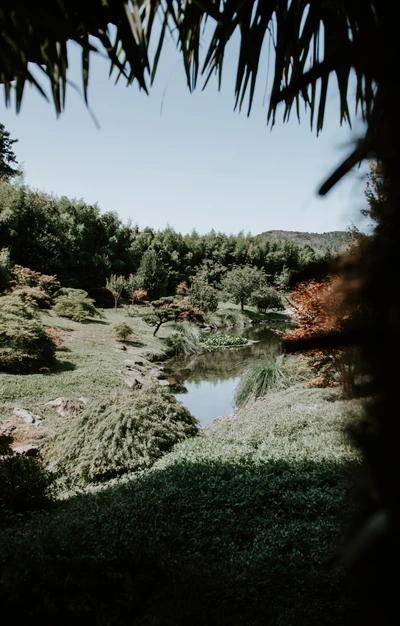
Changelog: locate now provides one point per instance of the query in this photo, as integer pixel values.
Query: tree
(164, 310)
(133, 286)
(241, 282)
(116, 284)
(7, 156)
(202, 296)
(319, 309)
(153, 273)
(265, 298)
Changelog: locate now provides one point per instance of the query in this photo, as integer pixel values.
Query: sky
(187, 160)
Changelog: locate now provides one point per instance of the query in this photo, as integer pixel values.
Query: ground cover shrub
(123, 432)
(218, 342)
(75, 304)
(233, 527)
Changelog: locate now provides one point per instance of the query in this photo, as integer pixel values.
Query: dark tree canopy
(7, 156)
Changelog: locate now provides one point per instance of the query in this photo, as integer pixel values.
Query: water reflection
(211, 378)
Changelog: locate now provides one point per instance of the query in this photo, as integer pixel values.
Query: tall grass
(185, 340)
(260, 378)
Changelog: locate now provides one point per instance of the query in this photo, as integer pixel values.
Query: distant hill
(333, 242)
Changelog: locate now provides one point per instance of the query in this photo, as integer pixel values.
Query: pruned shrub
(75, 304)
(123, 330)
(123, 433)
(24, 342)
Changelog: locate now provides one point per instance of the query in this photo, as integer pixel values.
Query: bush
(24, 342)
(267, 298)
(123, 433)
(202, 296)
(25, 277)
(258, 379)
(122, 330)
(24, 485)
(75, 305)
(33, 295)
(216, 342)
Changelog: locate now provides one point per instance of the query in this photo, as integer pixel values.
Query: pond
(211, 378)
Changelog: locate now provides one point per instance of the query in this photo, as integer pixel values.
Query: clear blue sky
(187, 160)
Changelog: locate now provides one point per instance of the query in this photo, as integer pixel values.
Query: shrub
(258, 379)
(123, 330)
(123, 433)
(24, 342)
(25, 277)
(216, 342)
(33, 295)
(75, 305)
(24, 485)
(182, 288)
(267, 298)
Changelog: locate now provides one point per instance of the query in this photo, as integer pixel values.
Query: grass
(260, 378)
(90, 364)
(235, 526)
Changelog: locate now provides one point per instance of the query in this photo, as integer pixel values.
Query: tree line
(84, 247)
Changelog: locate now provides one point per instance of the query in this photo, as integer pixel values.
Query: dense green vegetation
(84, 248)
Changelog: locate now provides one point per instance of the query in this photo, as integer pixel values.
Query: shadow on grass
(195, 543)
(132, 344)
(61, 366)
(92, 320)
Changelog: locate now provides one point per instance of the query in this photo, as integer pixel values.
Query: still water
(211, 378)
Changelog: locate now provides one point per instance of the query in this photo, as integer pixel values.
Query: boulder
(27, 416)
(157, 373)
(28, 450)
(66, 407)
(6, 430)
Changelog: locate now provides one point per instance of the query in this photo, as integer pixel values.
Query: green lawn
(235, 526)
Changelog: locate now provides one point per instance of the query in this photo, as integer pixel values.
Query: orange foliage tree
(322, 309)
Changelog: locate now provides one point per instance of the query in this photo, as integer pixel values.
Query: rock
(28, 450)
(52, 466)
(65, 406)
(135, 384)
(163, 382)
(83, 400)
(119, 372)
(156, 373)
(6, 430)
(27, 416)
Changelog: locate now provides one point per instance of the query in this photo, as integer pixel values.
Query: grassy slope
(233, 527)
(90, 364)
